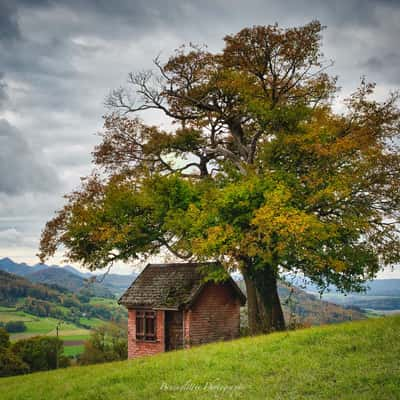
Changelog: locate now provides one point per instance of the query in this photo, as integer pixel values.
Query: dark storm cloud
(387, 65)
(128, 21)
(21, 168)
(118, 17)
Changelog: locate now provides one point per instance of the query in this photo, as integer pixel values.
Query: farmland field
(68, 332)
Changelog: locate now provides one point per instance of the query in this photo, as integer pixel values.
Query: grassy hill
(357, 360)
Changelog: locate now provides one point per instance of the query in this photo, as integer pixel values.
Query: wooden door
(173, 330)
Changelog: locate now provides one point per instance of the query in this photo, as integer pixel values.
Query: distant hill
(384, 287)
(377, 287)
(22, 269)
(117, 284)
(381, 295)
(65, 278)
(300, 307)
(44, 300)
(57, 276)
(70, 277)
(70, 268)
(309, 309)
(13, 288)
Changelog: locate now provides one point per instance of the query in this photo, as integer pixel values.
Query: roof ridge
(184, 264)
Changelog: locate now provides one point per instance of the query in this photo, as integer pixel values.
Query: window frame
(148, 330)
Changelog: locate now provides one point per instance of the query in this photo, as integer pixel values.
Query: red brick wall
(214, 316)
(142, 348)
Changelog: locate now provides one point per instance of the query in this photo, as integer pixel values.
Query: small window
(146, 325)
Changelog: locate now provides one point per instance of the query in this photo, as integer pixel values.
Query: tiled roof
(168, 286)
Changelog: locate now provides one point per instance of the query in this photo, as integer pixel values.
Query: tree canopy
(258, 170)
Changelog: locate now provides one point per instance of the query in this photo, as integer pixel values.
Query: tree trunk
(264, 308)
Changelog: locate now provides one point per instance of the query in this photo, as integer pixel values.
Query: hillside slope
(300, 307)
(70, 278)
(13, 287)
(380, 294)
(64, 278)
(308, 309)
(357, 360)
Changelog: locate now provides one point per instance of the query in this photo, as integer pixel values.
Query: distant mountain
(22, 269)
(117, 284)
(384, 287)
(380, 295)
(57, 276)
(377, 287)
(70, 268)
(70, 277)
(64, 278)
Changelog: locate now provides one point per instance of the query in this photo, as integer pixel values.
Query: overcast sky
(59, 60)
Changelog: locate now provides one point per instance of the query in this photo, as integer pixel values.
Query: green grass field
(358, 360)
(93, 322)
(104, 302)
(10, 314)
(75, 335)
(72, 351)
(47, 326)
(36, 325)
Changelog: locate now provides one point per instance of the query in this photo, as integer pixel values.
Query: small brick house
(171, 307)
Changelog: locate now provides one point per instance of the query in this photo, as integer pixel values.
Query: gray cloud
(21, 168)
(9, 29)
(3, 91)
(14, 238)
(387, 65)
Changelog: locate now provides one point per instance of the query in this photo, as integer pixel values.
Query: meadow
(355, 360)
(68, 332)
